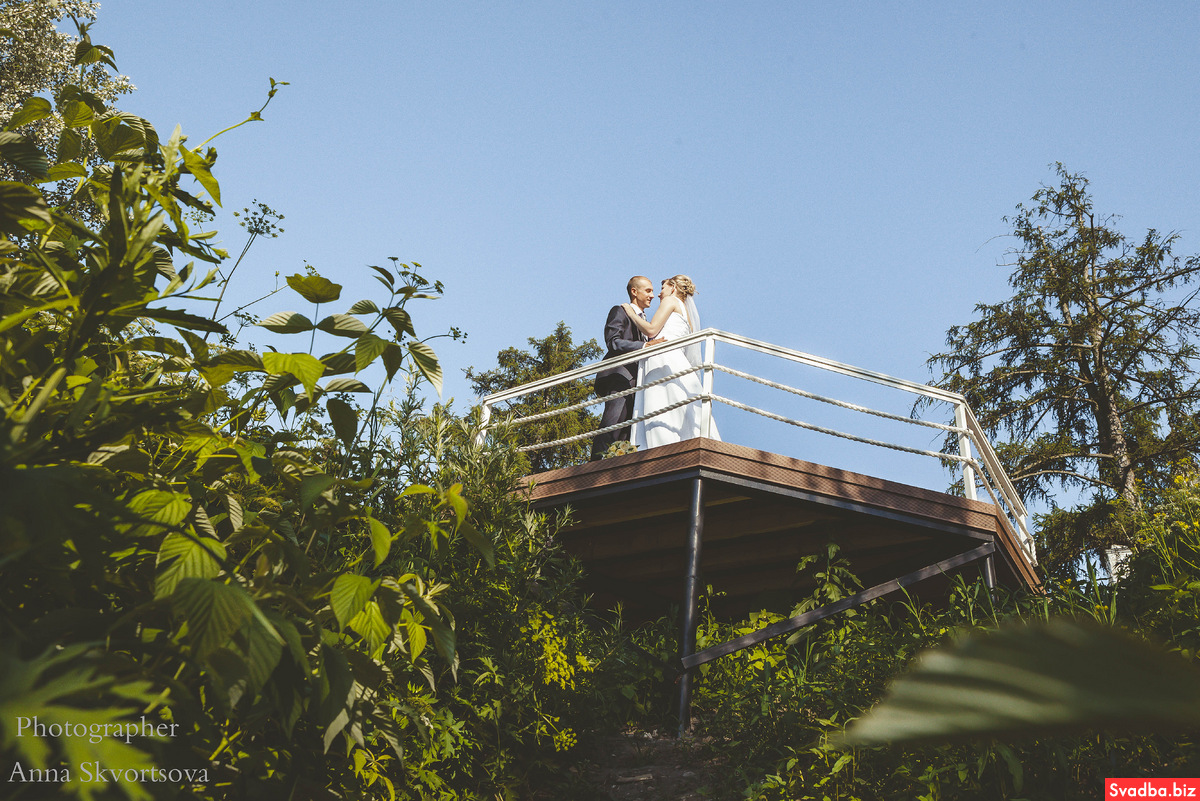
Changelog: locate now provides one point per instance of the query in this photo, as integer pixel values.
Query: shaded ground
(650, 766)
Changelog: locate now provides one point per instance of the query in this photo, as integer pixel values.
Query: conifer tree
(551, 355)
(1087, 376)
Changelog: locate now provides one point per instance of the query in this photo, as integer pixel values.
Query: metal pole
(989, 573)
(691, 601)
(708, 360)
(964, 450)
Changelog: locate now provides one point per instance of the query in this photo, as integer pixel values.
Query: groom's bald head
(636, 283)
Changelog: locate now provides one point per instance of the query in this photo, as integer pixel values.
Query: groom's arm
(616, 330)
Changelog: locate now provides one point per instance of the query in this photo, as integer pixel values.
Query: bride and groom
(626, 330)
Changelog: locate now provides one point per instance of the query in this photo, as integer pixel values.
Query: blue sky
(833, 176)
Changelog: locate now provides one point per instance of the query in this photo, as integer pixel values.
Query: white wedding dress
(678, 424)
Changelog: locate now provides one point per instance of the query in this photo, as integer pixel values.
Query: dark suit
(621, 336)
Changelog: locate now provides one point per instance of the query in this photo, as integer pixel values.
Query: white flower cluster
(36, 59)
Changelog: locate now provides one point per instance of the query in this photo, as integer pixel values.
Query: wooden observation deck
(653, 527)
(762, 513)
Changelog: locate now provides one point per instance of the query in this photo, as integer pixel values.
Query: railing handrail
(988, 454)
(635, 356)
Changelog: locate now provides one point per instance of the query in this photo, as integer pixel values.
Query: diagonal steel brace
(810, 617)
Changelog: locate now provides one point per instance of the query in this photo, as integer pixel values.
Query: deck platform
(760, 513)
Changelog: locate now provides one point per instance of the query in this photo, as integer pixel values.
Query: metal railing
(983, 471)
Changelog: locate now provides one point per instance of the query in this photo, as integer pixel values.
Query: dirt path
(650, 766)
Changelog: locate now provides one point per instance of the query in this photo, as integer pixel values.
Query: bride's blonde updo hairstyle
(683, 285)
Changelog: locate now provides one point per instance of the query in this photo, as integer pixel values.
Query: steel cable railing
(985, 471)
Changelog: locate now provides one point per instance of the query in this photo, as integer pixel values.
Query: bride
(675, 317)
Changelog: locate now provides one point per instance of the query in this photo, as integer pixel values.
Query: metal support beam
(989, 572)
(691, 600)
(690, 660)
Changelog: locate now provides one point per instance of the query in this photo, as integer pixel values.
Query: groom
(621, 336)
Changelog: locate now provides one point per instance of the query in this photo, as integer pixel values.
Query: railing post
(485, 414)
(964, 450)
(708, 360)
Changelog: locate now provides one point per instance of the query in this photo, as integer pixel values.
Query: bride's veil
(692, 313)
(693, 352)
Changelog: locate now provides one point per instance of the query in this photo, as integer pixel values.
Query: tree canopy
(548, 356)
(70, 74)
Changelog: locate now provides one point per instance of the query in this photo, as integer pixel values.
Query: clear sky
(833, 176)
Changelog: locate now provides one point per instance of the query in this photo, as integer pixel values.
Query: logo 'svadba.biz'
(94, 771)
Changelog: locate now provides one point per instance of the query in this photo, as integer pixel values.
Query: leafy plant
(240, 573)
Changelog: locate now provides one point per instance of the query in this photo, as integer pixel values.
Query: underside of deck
(762, 513)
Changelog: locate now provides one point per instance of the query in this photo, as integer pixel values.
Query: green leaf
(311, 488)
(88, 53)
(20, 202)
(335, 692)
(157, 510)
(371, 625)
(186, 557)
(70, 145)
(393, 358)
(23, 315)
(366, 350)
(315, 288)
(200, 169)
(241, 359)
(33, 109)
(171, 347)
(197, 344)
(381, 540)
(287, 322)
(416, 636)
(478, 541)
(218, 376)
(346, 385)
(118, 133)
(388, 280)
(443, 631)
(213, 611)
(400, 320)
(76, 114)
(64, 172)
(458, 503)
(307, 369)
(427, 363)
(182, 319)
(364, 307)
(338, 363)
(22, 153)
(843, 761)
(264, 647)
(349, 595)
(343, 418)
(1035, 679)
(342, 325)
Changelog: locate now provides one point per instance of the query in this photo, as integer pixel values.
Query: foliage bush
(220, 540)
(776, 713)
